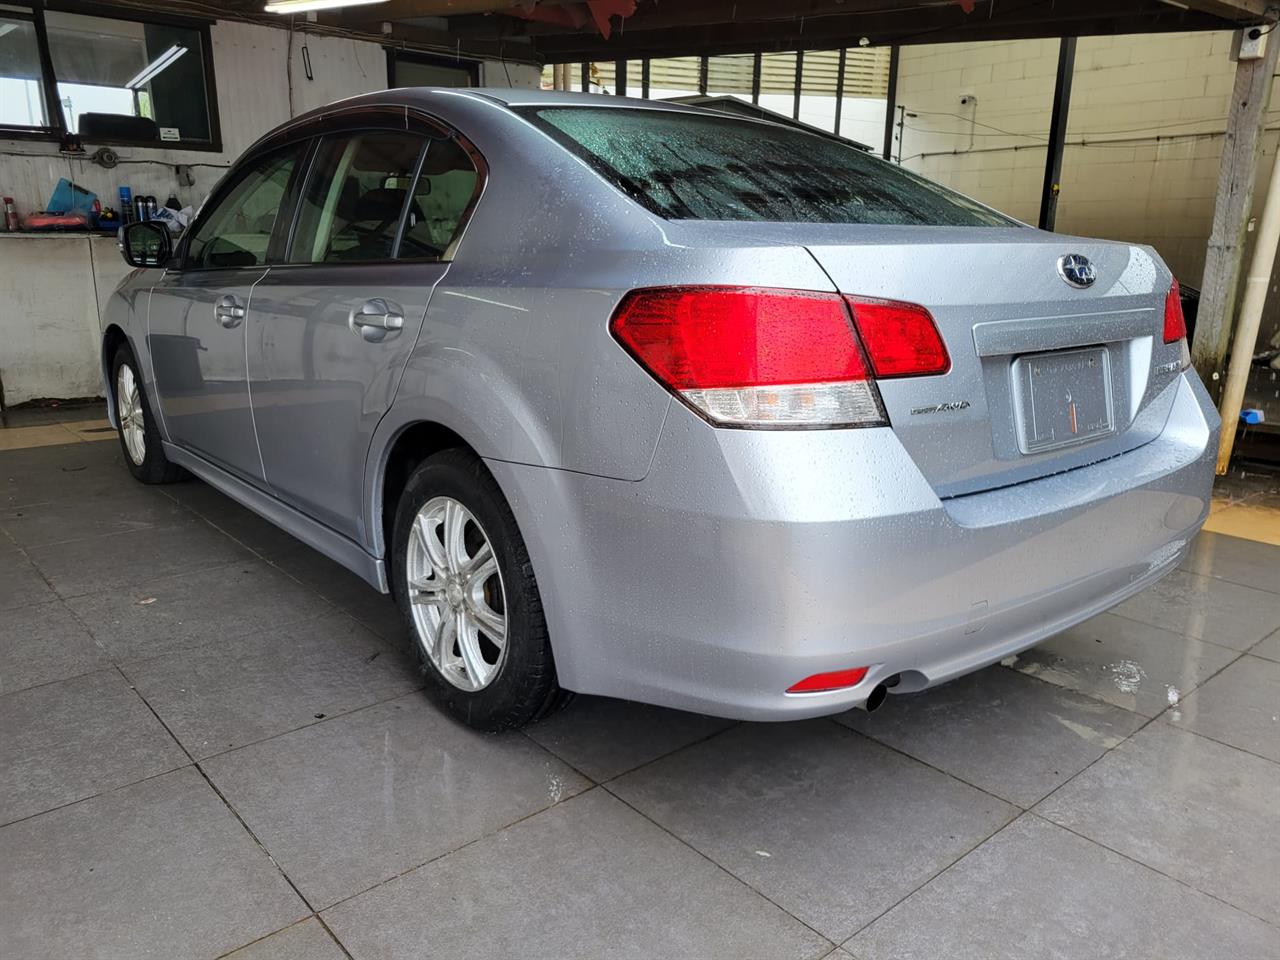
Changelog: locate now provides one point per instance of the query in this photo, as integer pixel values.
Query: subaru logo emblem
(1077, 270)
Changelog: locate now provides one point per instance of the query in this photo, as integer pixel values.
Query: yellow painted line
(1249, 521)
(54, 434)
(91, 430)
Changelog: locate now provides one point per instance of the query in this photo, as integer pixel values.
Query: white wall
(51, 286)
(1150, 110)
(523, 76)
(1144, 135)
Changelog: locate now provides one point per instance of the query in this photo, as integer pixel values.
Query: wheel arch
(412, 443)
(112, 339)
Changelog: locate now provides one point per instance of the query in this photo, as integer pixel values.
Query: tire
(142, 449)
(448, 594)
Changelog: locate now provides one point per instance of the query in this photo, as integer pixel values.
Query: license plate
(1062, 398)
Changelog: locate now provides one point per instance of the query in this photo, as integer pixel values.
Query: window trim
(58, 130)
(180, 263)
(312, 170)
(357, 120)
(309, 131)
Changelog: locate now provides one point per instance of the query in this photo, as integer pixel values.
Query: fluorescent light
(298, 6)
(152, 69)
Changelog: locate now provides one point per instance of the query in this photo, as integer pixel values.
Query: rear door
(330, 330)
(196, 324)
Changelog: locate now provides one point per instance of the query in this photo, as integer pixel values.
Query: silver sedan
(640, 400)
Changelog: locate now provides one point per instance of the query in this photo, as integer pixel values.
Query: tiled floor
(212, 744)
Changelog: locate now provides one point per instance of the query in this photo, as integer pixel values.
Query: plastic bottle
(10, 216)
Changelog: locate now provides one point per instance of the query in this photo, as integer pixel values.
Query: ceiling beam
(1012, 19)
(485, 47)
(393, 10)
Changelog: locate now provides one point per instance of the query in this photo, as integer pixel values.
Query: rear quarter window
(686, 166)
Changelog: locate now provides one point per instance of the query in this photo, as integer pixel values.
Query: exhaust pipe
(875, 698)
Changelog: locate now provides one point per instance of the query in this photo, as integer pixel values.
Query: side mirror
(146, 244)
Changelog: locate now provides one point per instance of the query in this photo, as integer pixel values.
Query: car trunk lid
(1045, 376)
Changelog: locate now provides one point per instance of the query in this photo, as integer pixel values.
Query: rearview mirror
(146, 244)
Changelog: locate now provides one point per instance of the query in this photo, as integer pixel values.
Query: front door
(197, 319)
(330, 330)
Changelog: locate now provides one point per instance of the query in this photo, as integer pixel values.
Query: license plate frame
(1062, 398)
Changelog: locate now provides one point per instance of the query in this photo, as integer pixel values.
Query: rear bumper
(748, 560)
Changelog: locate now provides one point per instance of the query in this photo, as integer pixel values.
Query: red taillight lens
(901, 339)
(702, 338)
(752, 356)
(758, 356)
(836, 680)
(1175, 324)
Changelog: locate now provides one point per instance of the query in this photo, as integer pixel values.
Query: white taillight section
(797, 404)
(757, 356)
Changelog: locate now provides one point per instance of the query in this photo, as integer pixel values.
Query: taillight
(1175, 324)
(757, 356)
(901, 338)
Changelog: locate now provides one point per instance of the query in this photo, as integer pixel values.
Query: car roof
(517, 97)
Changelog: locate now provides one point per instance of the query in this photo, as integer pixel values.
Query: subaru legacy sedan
(640, 400)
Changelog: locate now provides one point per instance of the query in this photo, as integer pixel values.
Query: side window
(440, 199)
(238, 229)
(352, 205)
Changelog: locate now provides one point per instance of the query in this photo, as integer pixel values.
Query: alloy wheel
(456, 594)
(133, 424)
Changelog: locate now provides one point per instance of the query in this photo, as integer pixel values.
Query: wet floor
(214, 745)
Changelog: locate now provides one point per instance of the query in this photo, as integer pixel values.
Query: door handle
(228, 311)
(376, 320)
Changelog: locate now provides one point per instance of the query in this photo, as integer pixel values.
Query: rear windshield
(686, 166)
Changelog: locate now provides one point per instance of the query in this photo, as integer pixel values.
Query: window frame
(306, 146)
(58, 129)
(395, 55)
(393, 118)
(313, 170)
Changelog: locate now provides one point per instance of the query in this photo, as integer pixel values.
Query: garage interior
(213, 740)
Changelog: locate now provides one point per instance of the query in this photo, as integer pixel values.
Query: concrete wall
(49, 327)
(52, 287)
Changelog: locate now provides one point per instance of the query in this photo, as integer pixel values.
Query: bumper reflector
(836, 680)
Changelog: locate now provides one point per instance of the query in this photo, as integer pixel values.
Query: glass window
(129, 80)
(408, 70)
(690, 167)
(441, 198)
(117, 80)
(353, 203)
(21, 92)
(237, 231)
